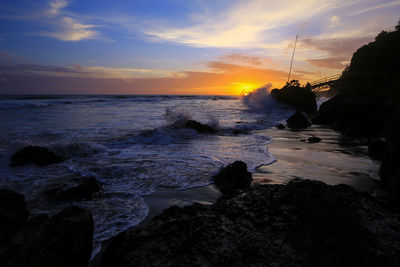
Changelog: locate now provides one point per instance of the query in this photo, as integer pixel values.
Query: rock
(298, 121)
(232, 178)
(376, 149)
(199, 127)
(313, 139)
(389, 171)
(63, 240)
(40, 156)
(84, 189)
(304, 223)
(280, 126)
(13, 214)
(297, 96)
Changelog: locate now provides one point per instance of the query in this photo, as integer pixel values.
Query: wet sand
(334, 160)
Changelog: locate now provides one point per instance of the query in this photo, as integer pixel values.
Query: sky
(179, 46)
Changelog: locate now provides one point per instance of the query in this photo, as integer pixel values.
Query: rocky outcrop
(354, 115)
(367, 103)
(40, 156)
(304, 223)
(199, 127)
(63, 240)
(296, 96)
(298, 121)
(233, 178)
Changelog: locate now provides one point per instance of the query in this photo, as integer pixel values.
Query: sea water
(132, 144)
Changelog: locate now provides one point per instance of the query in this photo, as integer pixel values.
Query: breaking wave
(260, 99)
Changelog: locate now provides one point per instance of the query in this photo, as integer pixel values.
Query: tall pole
(291, 63)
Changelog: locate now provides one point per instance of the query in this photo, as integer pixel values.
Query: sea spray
(176, 117)
(260, 99)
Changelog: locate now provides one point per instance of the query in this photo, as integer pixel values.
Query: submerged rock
(232, 178)
(199, 127)
(298, 121)
(304, 223)
(40, 156)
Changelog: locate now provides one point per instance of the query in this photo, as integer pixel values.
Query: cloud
(58, 22)
(335, 20)
(68, 29)
(56, 6)
(331, 63)
(243, 25)
(376, 7)
(241, 58)
(78, 71)
(337, 51)
(222, 78)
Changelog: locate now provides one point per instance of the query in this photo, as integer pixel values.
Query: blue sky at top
(148, 39)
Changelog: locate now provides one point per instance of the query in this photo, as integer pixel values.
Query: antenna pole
(291, 63)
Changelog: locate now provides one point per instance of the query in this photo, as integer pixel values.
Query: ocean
(132, 144)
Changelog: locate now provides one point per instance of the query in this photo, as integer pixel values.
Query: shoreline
(325, 162)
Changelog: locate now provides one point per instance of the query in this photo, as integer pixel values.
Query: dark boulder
(314, 139)
(297, 96)
(40, 156)
(199, 127)
(298, 121)
(84, 188)
(13, 214)
(232, 178)
(63, 240)
(376, 149)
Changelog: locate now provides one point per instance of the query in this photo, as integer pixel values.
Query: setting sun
(244, 88)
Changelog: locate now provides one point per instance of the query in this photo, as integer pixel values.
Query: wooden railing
(327, 81)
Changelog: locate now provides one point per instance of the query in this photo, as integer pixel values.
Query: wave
(260, 99)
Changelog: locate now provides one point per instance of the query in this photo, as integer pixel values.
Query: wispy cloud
(66, 27)
(243, 25)
(242, 58)
(376, 7)
(78, 71)
(57, 22)
(69, 29)
(56, 6)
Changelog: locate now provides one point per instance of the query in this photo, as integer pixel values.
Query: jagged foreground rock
(62, 240)
(304, 223)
